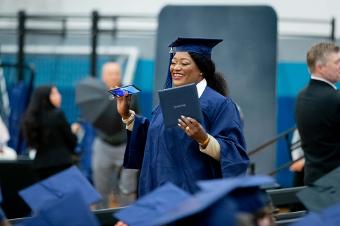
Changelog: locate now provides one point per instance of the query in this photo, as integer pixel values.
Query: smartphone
(130, 89)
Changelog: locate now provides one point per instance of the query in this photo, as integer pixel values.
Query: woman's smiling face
(184, 70)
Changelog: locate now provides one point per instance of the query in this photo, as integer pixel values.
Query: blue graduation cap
(245, 191)
(312, 219)
(329, 216)
(169, 204)
(57, 186)
(158, 202)
(322, 193)
(71, 210)
(203, 208)
(213, 205)
(202, 46)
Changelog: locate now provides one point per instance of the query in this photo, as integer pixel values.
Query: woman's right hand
(123, 105)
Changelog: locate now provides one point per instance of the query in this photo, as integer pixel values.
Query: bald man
(111, 75)
(109, 178)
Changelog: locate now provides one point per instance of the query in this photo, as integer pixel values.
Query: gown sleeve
(228, 132)
(136, 139)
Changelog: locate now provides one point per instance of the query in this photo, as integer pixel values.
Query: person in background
(116, 185)
(213, 148)
(297, 167)
(298, 156)
(46, 130)
(317, 112)
(6, 152)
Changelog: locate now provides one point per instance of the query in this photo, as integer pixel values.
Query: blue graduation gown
(169, 155)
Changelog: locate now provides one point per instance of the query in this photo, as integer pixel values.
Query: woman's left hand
(193, 129)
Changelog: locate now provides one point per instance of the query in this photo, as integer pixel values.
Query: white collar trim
(323, 80)
(201, 87)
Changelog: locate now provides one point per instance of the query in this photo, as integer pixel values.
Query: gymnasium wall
(65, 71)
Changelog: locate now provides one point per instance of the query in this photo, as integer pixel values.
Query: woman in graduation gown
(193, 151)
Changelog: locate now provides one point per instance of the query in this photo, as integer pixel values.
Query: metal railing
(290, 147)
(304, 22)
(93, 26)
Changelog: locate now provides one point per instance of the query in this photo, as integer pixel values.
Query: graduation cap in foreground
(245, 192)
(71, 210)
(203, 208)
(202, 46)
(312, 219)
(57, 186)
(211, 206)
(323, 193)
(329, 216)
(169, 204)
(152, 205)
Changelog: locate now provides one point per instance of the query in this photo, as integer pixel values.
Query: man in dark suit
(318, 112)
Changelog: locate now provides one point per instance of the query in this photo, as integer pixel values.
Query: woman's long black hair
(214, 79)
(39, 104)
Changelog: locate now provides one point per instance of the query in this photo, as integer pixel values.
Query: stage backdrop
(246, 57)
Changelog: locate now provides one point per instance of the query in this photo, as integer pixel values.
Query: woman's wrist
(126, 116)
(128, 120)
(205, 143)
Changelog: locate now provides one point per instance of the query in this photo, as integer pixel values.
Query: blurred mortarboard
(245, 192)
(323, 193)
(158, 202)
(211, 206)
(57, 186)
(312, 219)
(203, 208)
(329, 216)
(71, 210)
(202, 46)
(169, 204)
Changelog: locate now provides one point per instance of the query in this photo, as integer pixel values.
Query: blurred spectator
(48, 132)
(318, 112)
(297, 154)
(5, 151)
(116, 185)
